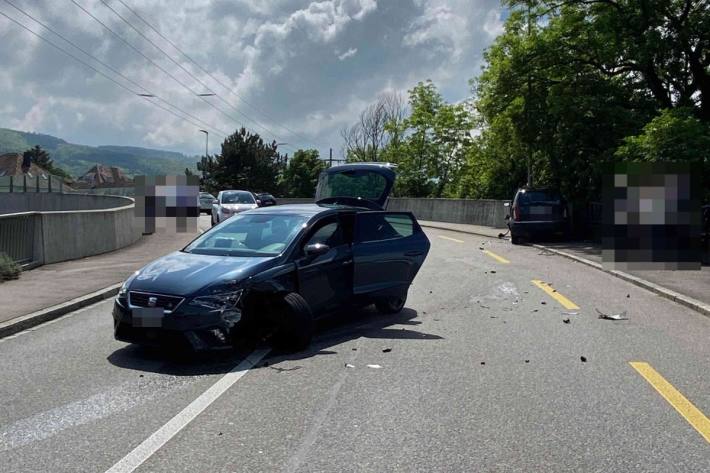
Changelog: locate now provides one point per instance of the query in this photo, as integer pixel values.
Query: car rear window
(531, 197)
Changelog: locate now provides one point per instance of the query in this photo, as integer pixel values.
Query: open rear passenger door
(388, 251)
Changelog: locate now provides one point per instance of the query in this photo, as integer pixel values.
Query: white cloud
(349, 53)
(286, 58)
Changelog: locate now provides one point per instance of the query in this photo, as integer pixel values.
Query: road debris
(348, 365)
(376, 367)
(483, 362)
(354, 349)
(281, 370)
(583, 358)
(386, 350)
(570, 313)
(543, 302)
(480, 248)
(621, 316)
(565, 321)
(493, 272)
(628, 296)
(527, 361)
(534, 310)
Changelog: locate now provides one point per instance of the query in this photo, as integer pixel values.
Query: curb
(23, 322)
(687, 301)
(487, 235)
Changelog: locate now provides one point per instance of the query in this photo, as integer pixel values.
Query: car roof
(306, 210)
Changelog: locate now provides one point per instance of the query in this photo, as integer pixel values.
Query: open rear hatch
(365, 185)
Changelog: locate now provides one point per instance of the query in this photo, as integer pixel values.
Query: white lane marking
(161, 436)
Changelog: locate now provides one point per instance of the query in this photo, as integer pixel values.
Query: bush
(8, 268)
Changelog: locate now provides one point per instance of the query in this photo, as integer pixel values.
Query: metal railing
(36, 183)
(17, 236)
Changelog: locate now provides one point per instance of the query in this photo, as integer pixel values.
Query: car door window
(379, 226)
(328, 233)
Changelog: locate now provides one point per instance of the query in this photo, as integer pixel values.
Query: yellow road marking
(449, 238)
(499, 258)
(692, 414)
(566, 303)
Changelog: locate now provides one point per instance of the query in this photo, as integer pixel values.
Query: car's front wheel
(212, 219)
(295, 329)
(391, 305)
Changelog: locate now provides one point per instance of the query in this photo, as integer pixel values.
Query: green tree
(246, 162)
(301, 175)
(41, 158)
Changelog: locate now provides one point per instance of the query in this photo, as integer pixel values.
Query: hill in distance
(77, 159)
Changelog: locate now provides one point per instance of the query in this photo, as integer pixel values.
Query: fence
(37, 183)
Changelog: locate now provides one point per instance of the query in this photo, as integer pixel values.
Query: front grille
(141, 299)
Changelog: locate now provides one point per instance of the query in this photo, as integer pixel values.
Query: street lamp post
(207, 137)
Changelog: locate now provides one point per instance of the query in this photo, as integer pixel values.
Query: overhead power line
(124, 87)
(145, 94)
(142, 54)
(206, 72)
(183, 68)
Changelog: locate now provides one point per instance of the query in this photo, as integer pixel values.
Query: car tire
(212, 220)
(391, 305)
(295, 329)
(516, 240)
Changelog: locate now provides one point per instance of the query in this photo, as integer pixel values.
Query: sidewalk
(685, 287)
(54, 284)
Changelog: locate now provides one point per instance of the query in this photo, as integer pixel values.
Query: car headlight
(124, 287)
(218, 302)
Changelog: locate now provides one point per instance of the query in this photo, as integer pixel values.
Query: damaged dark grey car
(276, 269)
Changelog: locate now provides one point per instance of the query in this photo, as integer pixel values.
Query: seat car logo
(152, 301)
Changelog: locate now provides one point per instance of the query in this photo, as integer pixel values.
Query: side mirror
(258, 202)
(215, 202)
(315, 249)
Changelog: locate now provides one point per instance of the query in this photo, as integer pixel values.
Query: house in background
(13, 164)
(23, 170)
(100, 176)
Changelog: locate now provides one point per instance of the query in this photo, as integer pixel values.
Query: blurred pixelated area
(167, 203)
(651, 217)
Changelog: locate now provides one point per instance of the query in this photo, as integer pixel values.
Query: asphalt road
(483, 375)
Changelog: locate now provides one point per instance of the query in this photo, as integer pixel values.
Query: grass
(8, 268)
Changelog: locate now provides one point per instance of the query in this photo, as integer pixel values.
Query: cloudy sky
(295, 71)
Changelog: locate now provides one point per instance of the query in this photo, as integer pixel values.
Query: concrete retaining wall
(72, 234)
(476, 212)
(490, 213)
(16, 202)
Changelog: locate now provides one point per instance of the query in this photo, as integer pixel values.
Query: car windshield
(237, 198)
(530, 197)
(249, 235)
(204, 196)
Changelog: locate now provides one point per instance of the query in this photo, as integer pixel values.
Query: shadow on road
(331, 331)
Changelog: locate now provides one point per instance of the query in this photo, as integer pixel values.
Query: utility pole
(207, 137)
(330, 159)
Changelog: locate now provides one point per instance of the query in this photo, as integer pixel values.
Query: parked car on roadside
(537, 213)
(276, 269)
(206, 200)
(264, 199)
(231, 202)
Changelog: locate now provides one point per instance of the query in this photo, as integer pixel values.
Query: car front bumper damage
(197, 331)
